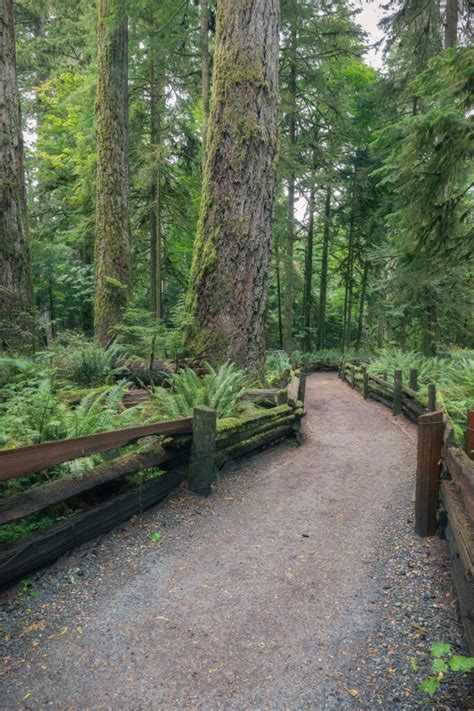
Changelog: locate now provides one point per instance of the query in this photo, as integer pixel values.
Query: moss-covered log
(113, 242)
(228, 289)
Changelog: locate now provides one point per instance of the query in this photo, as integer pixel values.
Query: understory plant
(221, 389)
(81, 362)
(443, 665)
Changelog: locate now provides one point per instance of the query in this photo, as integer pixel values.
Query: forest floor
(298, 584)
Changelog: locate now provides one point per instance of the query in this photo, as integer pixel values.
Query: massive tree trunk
(451, 23)
(113, 241)
(290, 238)
(16, 291)
(228, 289)
(308, 274)
(204, 22)
(156, 307)
(323, 285)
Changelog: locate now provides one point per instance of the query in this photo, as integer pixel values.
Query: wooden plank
(464, 584)
(39, 498)
(43, 548)
(461, 525)
(429, 451)
(25, 460)
(380, 398)
(461, 469)
(380, 381)
(293, 391)
(431, 397)
(254, 443)
(469, 443)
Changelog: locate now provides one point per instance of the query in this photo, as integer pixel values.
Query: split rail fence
(189, 448)
(444, 494)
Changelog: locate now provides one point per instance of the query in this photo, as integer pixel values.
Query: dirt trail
(264, 596)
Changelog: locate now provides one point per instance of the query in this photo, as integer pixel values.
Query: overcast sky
(371, 13)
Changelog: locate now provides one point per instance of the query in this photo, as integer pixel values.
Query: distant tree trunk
(113, 239)
(380, 330)
(155, 197)
(429, 326)
(451, 25)
(363, 290)
(288, 303)
(280, 319)
(347, 320)
(308, 274)
(204, 22)
(16, 289)
(323, 285)
(228, 286)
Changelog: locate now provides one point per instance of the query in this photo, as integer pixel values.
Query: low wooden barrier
(444, 476)
(187, 443)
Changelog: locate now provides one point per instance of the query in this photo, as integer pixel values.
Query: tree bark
(308, 274)
(323, 286)
(288, 301)
(451, 24)
(204, 22)
(228, 286)
(16, 288)
(363, 290)
(155, 196)
(113, 239)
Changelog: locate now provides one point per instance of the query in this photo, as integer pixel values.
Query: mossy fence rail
(189, 448)
(444, 494)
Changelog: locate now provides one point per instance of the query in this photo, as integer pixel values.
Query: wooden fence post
(414, 378)
(385, 376)
(430, 442)
(365, 391)
(470, 434)
(353, 376)
(203, 450)
(397, 392)
(302, 387)
(431, 397)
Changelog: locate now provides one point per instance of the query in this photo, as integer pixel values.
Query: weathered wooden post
(365, 391)
(385, 376)
(397, 392)
(430, 442)
(414, 378)
(470, 434)
(203, 450)
(353, 376)
(431, 397)
(302, 387)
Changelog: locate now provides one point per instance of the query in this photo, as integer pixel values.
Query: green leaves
(458, 663)
(430, 686)
(154, 537)
(442, 665)
(440, 649)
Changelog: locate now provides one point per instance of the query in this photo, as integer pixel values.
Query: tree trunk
(155, 196)
(324, 272)
(347, 320)
(113, 239)
(16, 289)
(204, 21)
(308, 274)
(280, 319)
(363, 290)
(451, 25)
(288, 304)
(228, 287)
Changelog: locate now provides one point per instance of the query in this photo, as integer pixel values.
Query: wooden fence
(185, 446)
(444, 476)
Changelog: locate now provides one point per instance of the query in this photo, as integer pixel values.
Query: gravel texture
(298, 584)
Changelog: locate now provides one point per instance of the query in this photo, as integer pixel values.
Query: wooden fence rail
(25, 460)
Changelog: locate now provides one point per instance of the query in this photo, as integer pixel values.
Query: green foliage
(277, 365)
(83, 362)
(221, 389)
(12, 532)
(443, 664)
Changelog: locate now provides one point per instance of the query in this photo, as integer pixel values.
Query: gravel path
(297, 585)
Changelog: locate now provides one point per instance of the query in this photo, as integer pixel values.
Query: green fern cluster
(220, 389)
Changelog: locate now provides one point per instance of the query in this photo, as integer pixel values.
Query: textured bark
(323, 285)
(228, 289)
(155, 196)
(204, 23)
(308, 274)
(16, 291)
(113, 242)
(363, 290)
(290, 237)
(451, 24)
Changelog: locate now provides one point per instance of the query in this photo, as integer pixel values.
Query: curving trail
(295, 586)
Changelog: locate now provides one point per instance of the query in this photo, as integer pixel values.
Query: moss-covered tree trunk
(16, 291)
(228, 290)
(205, 83)
(323, 284)
(113, 243)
